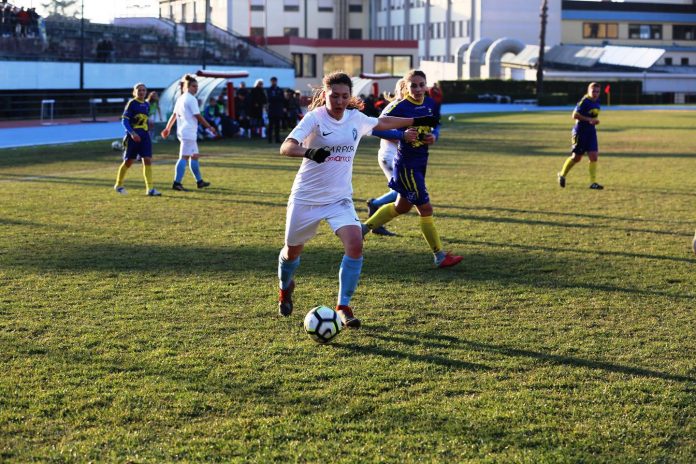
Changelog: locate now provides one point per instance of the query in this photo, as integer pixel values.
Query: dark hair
(335, 78)
(415, 72)
(186, 81)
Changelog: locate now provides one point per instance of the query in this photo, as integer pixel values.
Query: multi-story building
(668, 25)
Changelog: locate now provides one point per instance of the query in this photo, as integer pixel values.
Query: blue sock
(195, 169)
(385, 199)
(179, 170)
(286, 270)
(348, 276)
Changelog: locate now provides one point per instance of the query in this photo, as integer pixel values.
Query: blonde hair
(400, 91)
(135, 89)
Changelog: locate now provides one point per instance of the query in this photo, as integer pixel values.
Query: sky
(101, 11)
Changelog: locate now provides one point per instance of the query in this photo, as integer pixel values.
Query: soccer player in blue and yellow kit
(137, 143)
(410, 164)
(584, 136)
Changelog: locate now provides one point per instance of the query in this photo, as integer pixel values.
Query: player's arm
(392, 122)
(168, 127)
(394, 135)
(588, 119)
(201, 120)
(293, 149)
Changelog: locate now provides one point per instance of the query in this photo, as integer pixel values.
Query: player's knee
(576, 157)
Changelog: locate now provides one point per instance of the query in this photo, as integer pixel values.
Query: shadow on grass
(447, 342)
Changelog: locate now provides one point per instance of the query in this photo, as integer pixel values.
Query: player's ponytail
(319, 95)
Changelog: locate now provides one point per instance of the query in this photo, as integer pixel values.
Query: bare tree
(542, 45)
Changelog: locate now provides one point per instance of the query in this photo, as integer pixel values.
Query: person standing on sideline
(584, 136)
(276, 110)
(187, 115)
(257, 102)
(435, 93)
(410, 164)
(137, 143)
(155, 113)
(328, 137)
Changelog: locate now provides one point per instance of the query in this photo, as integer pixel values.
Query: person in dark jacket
(257, 101)
(276, 110)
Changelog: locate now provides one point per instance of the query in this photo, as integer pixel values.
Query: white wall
(16, 75)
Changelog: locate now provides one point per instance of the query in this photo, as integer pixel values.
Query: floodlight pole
(82, 45)
(542, 46)
(205, 30)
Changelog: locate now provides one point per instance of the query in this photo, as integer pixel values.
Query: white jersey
(186, 109)
(330, 181)
(387, 148)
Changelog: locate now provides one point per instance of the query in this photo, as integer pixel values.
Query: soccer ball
(116, 145)
(323, 324)
(451, 119)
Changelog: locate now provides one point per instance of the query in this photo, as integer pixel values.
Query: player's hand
(136, 138)
(428, 139)
(165, 133)
(430, 121)
(594, 122)
(318, 155)
(410, 135)
(212, 130)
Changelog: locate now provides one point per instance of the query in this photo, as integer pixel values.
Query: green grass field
(136, 329)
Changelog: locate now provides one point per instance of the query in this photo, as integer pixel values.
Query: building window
(683, 32)
(394, 65)
(291, 5)
(325, 33)
(291, 31)
(668, 61)
(257, 5)
(355, 34)
(355, 6)
(600, 30)
(256, 31)
(685, 62)
(645, 31)
(349, 64)
(305, 64)
(325, 5)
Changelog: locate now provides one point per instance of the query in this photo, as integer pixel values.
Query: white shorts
(302, 221)
(188, 147)
(386, 162)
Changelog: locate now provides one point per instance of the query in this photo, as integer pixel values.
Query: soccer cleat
(285, 300)
(178, 186)
(202, 184)
(449, 261)
(349, 320)
(561, 180)
(153, 193)
(381, 230)
(120, 189)
(596, 186)
(371, 209)
(365, 230)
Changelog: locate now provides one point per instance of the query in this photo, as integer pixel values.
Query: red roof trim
(339, 43)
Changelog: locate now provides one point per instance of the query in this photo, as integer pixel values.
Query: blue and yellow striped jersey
(588, 108)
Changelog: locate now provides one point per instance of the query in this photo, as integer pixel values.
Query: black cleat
(346, 314)
(178, 186)
(596, 186)
(561, 180)
(285, 300)
(202, 184)
(381, 230)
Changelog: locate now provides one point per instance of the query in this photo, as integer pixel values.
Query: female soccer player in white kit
(187, 115)
(328, 137)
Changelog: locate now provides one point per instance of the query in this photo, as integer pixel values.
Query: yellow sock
(383, 215)
(593, 172)
(121, 174)
(147, 173)
(427, 226)
(568, 165)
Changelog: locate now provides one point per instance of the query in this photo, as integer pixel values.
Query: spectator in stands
(257, 101)
(23, 19)
(33, 22)
(435, 93)
(276, 110)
